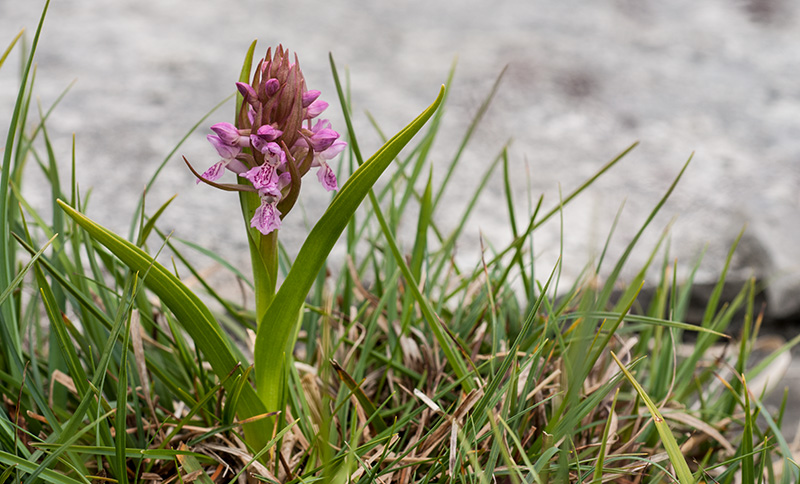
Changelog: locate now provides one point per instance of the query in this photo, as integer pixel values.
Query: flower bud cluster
(277, 139)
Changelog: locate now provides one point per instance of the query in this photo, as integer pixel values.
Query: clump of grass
(406, 366)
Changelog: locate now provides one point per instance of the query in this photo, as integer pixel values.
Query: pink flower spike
(267, 217)
(327, 177)
(316, 108)
(309, 97)
(214, 172)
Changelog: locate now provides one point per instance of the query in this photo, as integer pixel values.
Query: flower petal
(322, 140)
(272, 86)
(261, 177)
(327, 177)
(267, 218)
(333, 150)
(316, 108)
(309, 97)
(227, 133)
(247, 91)
(226, 151)
(214, 172)
(268, 133)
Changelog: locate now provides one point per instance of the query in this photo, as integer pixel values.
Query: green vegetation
(403, 366)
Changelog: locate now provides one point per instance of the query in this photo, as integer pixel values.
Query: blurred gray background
(719, 78)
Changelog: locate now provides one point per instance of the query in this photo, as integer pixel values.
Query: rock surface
(584, 81)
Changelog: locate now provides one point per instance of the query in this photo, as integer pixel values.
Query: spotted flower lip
(264, 177)
(267, 218)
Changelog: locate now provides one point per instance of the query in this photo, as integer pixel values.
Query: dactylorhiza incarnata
(276, 140)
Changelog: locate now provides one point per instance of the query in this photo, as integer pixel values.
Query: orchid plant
(276, 139)
(529, 387)
(272, 145)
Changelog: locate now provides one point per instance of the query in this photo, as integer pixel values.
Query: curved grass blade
(281, 316)
(670, 444)
(151, 222)
(24, 270)
(190, 311)
(11, 343)
(8, 51)
(47, 475)
(369, 408)
(434, 322)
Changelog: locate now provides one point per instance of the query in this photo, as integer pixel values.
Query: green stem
(265, 272)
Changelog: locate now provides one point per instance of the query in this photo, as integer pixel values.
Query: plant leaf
(281, 316)
(190, 311)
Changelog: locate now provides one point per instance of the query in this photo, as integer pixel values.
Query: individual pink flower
(267, 217)
(229, 135)
(315, 109)
(229, 161)
(309, 97)
(325, 174)
(247, 91)
(326, 145)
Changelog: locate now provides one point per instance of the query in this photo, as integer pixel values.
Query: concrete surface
(585, 80)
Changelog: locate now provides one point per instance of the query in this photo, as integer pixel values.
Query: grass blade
(667, 439)
(282, 318)
(195, 317)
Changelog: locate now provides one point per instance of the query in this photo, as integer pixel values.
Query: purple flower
(272, 86)
(229, 135)
(321, 136)
(325, 173)
(229, 161)
(224, 149)
(309, 97)
(268, 133)
(316, 108)
(267, 216)
(264, 136)
(273, 154)
(247, 91)
(273, 128)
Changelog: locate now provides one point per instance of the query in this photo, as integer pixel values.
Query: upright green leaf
(279, 321)
(190, 311)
